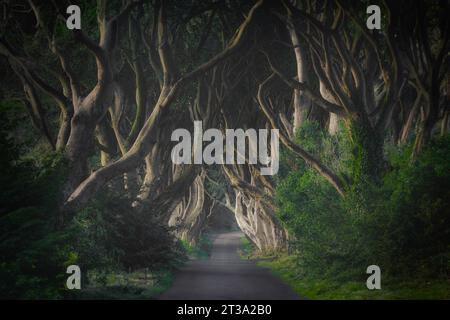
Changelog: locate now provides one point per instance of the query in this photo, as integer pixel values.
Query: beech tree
(137, 70)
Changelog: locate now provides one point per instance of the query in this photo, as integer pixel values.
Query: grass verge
(247, 249)
(137, 285)
(391, 289)
(201, 250)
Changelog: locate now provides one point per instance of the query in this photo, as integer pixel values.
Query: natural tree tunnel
(159, 121)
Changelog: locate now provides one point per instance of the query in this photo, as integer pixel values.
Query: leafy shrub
(401, 224)
(107, 235)
(34, 255)
(131, 238)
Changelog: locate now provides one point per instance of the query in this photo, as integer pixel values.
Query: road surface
(226, 276)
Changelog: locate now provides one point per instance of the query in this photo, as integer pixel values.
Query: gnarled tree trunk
(191, 214)
(259, 223)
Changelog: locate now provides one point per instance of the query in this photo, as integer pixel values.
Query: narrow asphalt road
(226, 276)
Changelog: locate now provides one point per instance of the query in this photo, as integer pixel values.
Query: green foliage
(34, 255)
(366, 153)
(201, 249)
(131, 238)
(247, 248)
(104, 237)
(419, 210)
(286, 268)
(139, 285)
(401, 223)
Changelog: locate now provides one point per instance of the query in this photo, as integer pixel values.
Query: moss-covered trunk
(367, 150)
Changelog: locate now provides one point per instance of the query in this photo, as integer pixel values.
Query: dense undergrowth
(329, 287)
(400, 223)
(200, 250)
(121, 253)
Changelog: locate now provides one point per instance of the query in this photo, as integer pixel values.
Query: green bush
(128, 239)
(34, 255)
(107, 235)
(401, 224)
